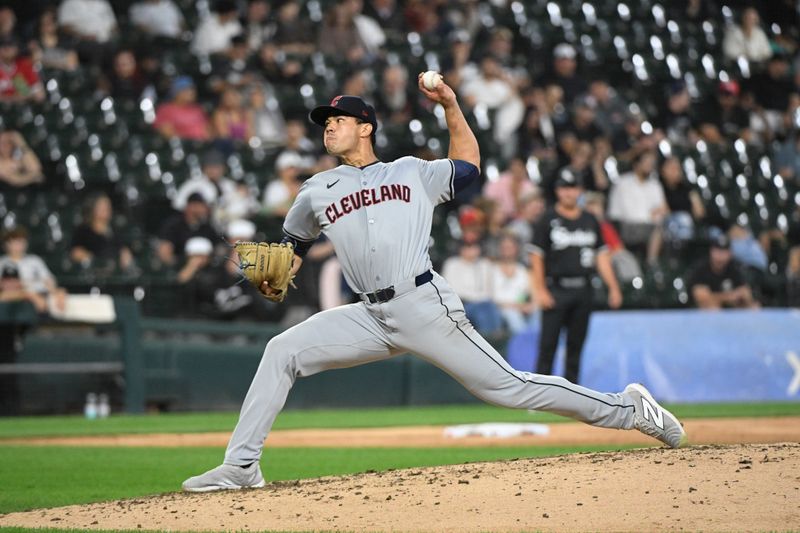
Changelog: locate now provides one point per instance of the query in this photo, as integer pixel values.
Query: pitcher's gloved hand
(267, 262)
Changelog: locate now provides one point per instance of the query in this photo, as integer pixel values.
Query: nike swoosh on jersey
(332, 184)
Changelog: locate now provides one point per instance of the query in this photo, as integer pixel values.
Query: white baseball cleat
(652, 419)
(226, 477)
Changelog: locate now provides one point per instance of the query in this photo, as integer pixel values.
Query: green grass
(35, 477)
(53, 476)
(339, 418)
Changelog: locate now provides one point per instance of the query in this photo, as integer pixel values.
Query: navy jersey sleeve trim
(464, 174)
(301, 246)
(295, 237)
(452, 179)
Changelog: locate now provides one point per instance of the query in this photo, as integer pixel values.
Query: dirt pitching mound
(709, 488)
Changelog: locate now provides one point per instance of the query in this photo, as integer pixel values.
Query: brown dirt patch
(709, 488)
(700, 431)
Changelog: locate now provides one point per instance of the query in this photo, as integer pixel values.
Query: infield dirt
(753, 487)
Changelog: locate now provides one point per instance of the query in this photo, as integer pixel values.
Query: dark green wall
(196, 374)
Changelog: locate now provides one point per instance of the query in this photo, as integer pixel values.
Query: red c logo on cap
(335, 101)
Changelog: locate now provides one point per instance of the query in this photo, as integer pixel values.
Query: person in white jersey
(378, 217)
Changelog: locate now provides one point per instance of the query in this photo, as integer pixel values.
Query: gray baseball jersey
(379, 219)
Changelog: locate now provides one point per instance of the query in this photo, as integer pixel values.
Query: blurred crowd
(645, 149)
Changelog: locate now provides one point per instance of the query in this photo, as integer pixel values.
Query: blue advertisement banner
(687, 355)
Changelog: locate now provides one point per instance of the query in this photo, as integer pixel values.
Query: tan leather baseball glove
(270, 262)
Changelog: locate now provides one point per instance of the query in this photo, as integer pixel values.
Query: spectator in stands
(212, 184)
(94, 244)
(213, 286)
(256, 30)
(19, 81)
(685, 205)
(495, 90)
(626, 266)
(159, 18)
(531, 208)
(676, 118)
(427, 19)
(356, 83)
(269, 124)
(125, 81)
(294, 33)
(19, 165)
(214, 33)
(787, 158)
(297, 141)
(93, 24)
(276, 68)
(339, 35)
(48, 48)
(747, 40)
(512, 287)
(232, 68)
(610, 109)
(198, 252)
(279, 194)
(509, 188)
(501, 47)
(582, 165)
(457, 65)
(231, 121)
(240, 203)
(388, 15)
(745, 248)
(583, 125)
(193, 221)
(564, 73)
(470, 275)
(394, 103)
(24, 276)
(536, 136)
(494, 226)
(637, 137)
(472, 225)
(182, 117)
(8, 22)
(724, 118)
(638, 204)
(772, 90)
(150, 64)
(718, 282)
(369, 31)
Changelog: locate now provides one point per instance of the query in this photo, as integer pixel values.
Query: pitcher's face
(342, 134)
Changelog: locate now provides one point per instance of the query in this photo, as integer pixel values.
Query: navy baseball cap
(721, 241)
(351, 106)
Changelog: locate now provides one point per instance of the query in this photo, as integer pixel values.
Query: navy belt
(384, 295)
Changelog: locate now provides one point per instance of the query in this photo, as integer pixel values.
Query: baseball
(431, 79)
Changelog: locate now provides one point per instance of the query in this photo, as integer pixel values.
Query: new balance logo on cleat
(652, 419)
(649, 411)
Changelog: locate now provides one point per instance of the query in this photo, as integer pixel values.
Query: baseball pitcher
(378, 216)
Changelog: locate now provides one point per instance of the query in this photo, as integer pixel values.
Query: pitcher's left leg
(431, 323)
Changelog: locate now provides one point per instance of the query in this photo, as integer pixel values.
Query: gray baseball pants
(428, 321)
